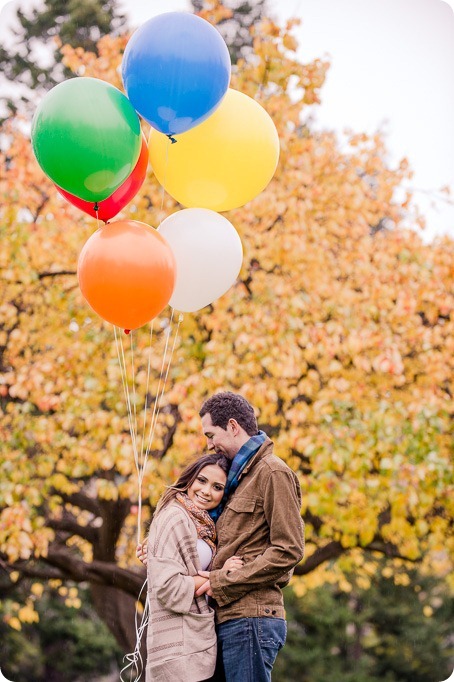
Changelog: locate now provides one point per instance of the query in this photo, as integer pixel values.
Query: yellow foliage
(363, 582)
(402, 579)
(37, 589)
(27, 614)
(14, 623)
(215, 12)
(339, 329)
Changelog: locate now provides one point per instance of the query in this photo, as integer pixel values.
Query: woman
(181, 639)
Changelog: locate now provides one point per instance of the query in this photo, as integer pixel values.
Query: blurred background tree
(64, 640)
(234, 20)
(339, 330)
(396, 629)
(34, 61)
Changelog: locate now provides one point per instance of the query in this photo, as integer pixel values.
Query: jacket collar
(260, 454)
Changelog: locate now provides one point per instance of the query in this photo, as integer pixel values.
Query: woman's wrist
(198, 581)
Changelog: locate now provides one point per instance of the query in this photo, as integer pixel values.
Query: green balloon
(86, 137)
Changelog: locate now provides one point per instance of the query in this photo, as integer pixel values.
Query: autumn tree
(235, 20)
(64, 621)
(394, 626)
(340, 333)
(34, 61)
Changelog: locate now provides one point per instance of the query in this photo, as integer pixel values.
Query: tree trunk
(118, 610)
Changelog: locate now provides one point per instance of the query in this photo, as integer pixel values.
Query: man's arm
(204, 587)
(282, 505)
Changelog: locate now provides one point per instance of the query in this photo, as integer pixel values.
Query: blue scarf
(239, 462)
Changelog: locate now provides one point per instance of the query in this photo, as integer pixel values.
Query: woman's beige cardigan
(181, 640)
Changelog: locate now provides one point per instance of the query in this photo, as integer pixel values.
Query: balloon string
(161, 382)
(142, 458)
(132, 422)
(156, 406)
(156, 409)
(146, 392)
(166, 163)
(122, 362)
(135, 661)
(134, 401)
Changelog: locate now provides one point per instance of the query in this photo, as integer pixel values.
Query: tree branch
(97, 572)
(82, 501)
(56, 273)
(330, 551)
(40, 207)
(71, 526)
(389, 550)
(334, 549)
(42, 573)
(61, 564)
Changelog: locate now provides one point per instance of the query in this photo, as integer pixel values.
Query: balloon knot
(172, 139)
(127, 331)
(96, 208)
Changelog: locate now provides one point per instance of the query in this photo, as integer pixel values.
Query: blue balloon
(176, 70)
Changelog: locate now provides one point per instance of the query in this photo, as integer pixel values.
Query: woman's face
(207, 489)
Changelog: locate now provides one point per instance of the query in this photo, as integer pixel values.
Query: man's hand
(206, 587)
(233, 564)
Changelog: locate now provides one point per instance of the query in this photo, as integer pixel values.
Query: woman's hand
(141, 552)
(206, 587)
(233, 564)
(198, 582)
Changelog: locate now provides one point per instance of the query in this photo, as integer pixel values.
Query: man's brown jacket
(262, 524)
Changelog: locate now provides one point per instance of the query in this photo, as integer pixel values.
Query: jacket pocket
(239, 515)
(242, 504)
(198, 632)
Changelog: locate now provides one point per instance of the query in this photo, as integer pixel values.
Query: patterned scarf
(204, 524)
(242, 457)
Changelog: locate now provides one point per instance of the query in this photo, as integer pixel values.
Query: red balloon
(108, 208)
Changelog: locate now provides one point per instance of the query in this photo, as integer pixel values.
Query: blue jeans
(248, 648)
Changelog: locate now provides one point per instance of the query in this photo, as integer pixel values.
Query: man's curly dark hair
(227, 405)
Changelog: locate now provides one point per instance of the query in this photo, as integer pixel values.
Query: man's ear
(235, 427)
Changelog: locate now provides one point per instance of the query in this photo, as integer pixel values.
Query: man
(260, 523)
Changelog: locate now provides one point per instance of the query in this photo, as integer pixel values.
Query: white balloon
(208, 253)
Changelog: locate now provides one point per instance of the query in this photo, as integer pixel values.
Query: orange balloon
(127, 273)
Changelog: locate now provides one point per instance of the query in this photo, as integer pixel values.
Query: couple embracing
(224, 540)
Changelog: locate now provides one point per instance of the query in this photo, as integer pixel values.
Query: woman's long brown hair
(188, 476)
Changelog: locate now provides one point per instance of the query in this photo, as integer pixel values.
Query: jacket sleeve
(282, 505)
(167, 571)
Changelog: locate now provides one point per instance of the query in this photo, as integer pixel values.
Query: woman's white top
(205, 553)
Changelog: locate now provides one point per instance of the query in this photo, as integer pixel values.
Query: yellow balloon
(222, 163)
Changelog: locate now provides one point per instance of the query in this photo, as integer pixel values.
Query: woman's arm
(168, 574)
(198, 582)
